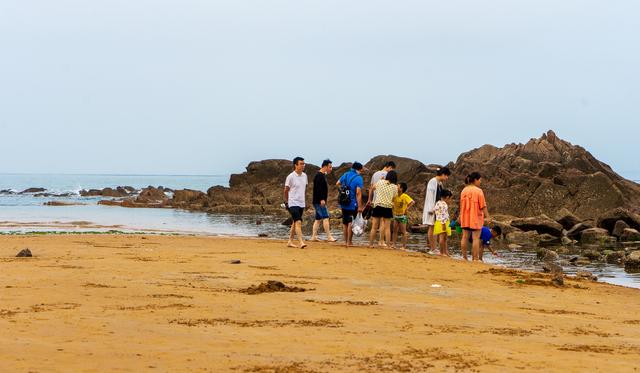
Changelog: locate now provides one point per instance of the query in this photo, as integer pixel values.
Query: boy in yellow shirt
(400, 205)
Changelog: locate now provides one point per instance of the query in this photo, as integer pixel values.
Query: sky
(204, 87)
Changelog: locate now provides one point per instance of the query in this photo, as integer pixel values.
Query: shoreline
(177, 303)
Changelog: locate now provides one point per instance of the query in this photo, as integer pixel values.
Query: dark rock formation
(546, 176)
(632, 262)
(541, 224)
(630, 234)
(608, 219)
(593, 235)
(24, 253)
(33, 190)
(619, 228)
(118, 192)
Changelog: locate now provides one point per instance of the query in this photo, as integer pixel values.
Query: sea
(28, 214)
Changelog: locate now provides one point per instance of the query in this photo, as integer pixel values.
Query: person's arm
(409, 205)
(286, 195)
(373, 187)
(487, 218)
(495, 253)
(359, 197)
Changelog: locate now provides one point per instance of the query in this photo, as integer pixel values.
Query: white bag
(359, 225)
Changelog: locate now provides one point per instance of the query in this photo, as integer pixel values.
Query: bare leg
(444, 250)
(345, 232)
(314, 231)
(405, 235)
(431, 238)
(327, 230)
(394, 233)
(475, 249)
(386, 223)
(464, 242)
(381, 234)
(374, 229)
(291, 233)
(298, 226)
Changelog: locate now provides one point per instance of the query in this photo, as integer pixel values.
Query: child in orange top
(473, 213)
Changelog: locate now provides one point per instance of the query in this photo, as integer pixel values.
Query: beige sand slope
(157, 303)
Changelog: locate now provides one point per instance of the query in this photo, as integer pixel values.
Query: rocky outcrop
(149, 197)
(33, 190)
(608, 219)
(545, 176)
(118, 192)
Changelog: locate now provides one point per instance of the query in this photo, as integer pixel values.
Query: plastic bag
(359, 225)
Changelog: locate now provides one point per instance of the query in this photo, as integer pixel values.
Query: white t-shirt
(428, 214)
(297, 186)
(377, 176)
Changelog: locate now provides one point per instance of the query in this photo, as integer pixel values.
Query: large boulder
(632, 262)
(609, 219)
(566, 218)
(531, 238)
(619, 228)
(541, 224)
(189, 199)
(630, 234)
(577, 229)
(594, 235)
(152, 195)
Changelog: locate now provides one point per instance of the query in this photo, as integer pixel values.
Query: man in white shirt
(295, 187)
(434, 188)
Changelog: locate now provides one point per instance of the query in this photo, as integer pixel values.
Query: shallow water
(26, 213)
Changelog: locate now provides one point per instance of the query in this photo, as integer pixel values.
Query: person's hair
(472, 177)
(392, 177)
(296, 160)
(357, 166)
(391, 164)
(326, 162)
(403, 187)
(445, 193)
(497, 229)
(443, 171)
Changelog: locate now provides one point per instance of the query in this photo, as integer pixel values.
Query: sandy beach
(89, 303)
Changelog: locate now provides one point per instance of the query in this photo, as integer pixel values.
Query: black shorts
(296, 213)
(348, 216)
(382, 212)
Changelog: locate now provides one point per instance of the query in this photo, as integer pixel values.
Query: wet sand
(177, 303)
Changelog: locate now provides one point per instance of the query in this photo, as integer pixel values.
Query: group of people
(387, 204)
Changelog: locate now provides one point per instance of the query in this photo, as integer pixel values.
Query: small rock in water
(263, 235)
(592, 254)
(587, 275)
(558, 279)
(551, 267)
(258, 222)
(24, 253)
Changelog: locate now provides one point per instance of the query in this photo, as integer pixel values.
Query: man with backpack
(350, 187)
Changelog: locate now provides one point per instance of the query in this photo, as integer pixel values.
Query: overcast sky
(204, 87)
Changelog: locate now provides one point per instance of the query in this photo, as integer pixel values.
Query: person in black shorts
(294, 195)
(386, 190)
(320, 196)
(352, 179)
